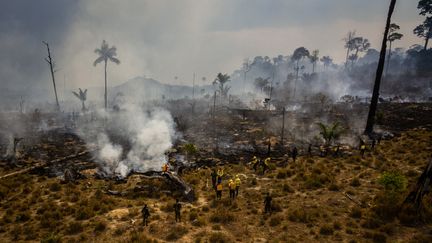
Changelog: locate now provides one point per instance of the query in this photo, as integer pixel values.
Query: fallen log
(176, 181)
(44, 164)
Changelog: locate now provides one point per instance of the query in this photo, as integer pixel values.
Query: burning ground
(70, 194)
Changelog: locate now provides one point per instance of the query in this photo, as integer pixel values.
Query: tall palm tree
(314, 59)
(327, 61)
(298, 55)
(393, 36)
(222, 79)
(82, 96)
(375, 95)
(106, 53)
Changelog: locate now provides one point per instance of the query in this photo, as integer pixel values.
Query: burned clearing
(58, 191)
(166, 121)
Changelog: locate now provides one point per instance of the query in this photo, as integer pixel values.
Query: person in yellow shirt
(165, 167)
(231, 185)
(219, 191)
(237, 184)
(254, 163)
(266, 165)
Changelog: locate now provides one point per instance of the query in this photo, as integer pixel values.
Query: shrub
(74, 228)
(287, 188)
(176, 233)
(55, 187)
(99, 226)
(326, 230)
(301, 216)
(218, 238)
(275, 220)
(355, 182)
(51, 238)
(393, 181)
(356, 213)
(281, 174)
(333, 187)
(222, 216)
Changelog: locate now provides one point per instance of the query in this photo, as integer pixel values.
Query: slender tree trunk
(106, 90)
(346, 59)
(83, 106)
(50, 62)
(388, 58)
(283, 126)
(313, 67)
(428, 36)
(375, 94)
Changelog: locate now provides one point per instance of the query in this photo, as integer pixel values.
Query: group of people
(256, 163)
(233, 184)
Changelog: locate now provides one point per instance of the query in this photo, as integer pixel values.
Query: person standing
(294, 153)
(213, 178)
(267, 203)
(237, 183)
(177, 208)
(145, 215)
(219, 191)
(231, 186)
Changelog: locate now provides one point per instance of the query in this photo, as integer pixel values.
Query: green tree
(297, 56)
(330, 133)
(424, 30)
(221, 80)
(82, 96)
(349, 45)
(314, 58)
(358, 44)
(106, 54)
(393, 36)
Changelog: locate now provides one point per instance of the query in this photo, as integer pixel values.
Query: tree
(327, 61)
(424, 30)
(349, 45)
(314, 59)
(221, 80)
(52, 64)
(247, 65)
(330, 132)
(359, 44)
(106, 54)
(375, 95)
(82, 96)
(393, 36)
(261, 83)
(297, 56)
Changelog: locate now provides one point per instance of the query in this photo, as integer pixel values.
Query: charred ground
(333, 198)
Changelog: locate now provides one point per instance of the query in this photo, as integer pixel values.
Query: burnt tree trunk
(51, 64)
(379, 72)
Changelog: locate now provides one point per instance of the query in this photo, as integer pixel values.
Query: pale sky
(166, 38)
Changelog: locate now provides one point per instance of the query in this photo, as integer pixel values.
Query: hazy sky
(166, 38)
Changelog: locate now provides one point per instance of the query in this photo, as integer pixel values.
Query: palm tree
(393, 36)
(330, 132)
(359, 44)
(375, 94)
(327, 61)
(349, 45)
(424, 30)
(222, 79)
(82, 96)
(106, 53)
(314, 59)
(298, 55)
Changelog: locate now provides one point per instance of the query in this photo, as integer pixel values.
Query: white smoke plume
(131, 138)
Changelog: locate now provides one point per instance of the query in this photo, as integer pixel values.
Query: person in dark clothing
(294, 153)
(145, 214)
(214, 178)
(267, 203)
(379, 139)
(310, 150)
(177, 208)
(373, 143)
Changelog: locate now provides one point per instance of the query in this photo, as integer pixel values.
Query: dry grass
(308, 203)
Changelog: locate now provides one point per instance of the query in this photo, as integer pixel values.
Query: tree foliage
(221, 80)
(330, 133)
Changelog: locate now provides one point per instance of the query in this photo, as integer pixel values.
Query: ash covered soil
(325, 199)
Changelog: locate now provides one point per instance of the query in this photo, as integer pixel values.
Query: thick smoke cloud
(131, 138)
(163, 39)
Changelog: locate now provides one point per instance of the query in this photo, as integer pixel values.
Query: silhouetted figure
(177, 208)
(267, 203)
(214, 178)
(294, 154)
(219, 191)
(145, 214)
(309, 149)
(373, 143)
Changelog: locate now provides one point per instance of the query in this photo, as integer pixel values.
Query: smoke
(130, 138)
